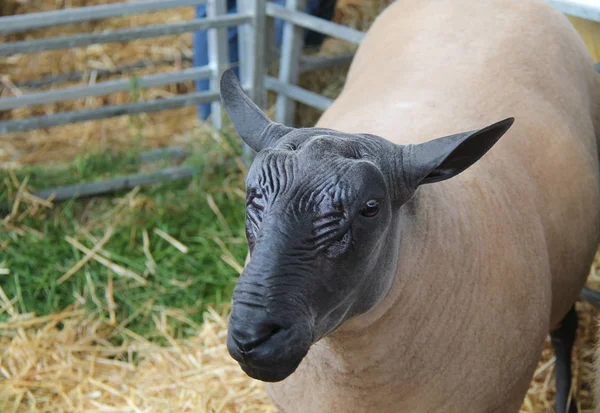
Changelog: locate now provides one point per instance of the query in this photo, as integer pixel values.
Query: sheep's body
(491, 260)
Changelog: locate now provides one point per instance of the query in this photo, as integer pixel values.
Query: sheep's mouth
(275, 358)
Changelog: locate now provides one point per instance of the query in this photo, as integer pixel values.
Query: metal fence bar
(585, 9)
(297, 93)
(590, 295)
(87, 189)
(45, 121)
(103, 88)
(30, 21)
(291, 47)
(271, 50)
(86, 39)
(308, 63)
(168, 152)
(217, 55)
(252, 48)
(80, 75)
(315, 23)
(245, 46)
(251, 40)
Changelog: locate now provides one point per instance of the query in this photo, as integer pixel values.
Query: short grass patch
(150, 259)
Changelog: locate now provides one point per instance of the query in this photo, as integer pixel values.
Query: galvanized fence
(251, 20)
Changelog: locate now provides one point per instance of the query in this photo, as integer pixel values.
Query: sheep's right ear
(442, 158)
(253, 126)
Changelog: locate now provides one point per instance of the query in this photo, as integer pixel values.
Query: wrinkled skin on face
(321, 208)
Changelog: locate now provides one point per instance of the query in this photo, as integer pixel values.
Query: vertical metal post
(252, 49)
(217, 55)
(291, 49)
(252, 54)
(270, 41)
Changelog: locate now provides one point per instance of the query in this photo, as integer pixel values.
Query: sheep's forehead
(324, 141)
(319, 176)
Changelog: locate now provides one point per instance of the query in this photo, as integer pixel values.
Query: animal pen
(255, 22)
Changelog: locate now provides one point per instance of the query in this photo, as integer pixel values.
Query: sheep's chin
(269, 375)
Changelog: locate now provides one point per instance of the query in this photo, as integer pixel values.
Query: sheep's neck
(368, 342)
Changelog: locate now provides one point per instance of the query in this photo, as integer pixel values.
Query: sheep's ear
(253, 126)
(443, 158)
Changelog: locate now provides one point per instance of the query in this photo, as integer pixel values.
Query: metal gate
(251, 19)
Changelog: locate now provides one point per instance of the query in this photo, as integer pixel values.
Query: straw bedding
(65, 363)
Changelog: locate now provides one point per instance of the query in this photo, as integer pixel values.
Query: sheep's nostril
(247, 337)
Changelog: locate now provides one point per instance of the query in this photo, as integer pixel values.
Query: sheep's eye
(371, 209)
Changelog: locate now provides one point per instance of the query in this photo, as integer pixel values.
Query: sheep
(412, 250)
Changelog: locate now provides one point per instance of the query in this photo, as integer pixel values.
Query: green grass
(205, 214)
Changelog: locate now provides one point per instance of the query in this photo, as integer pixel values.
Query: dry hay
(589, 31)
(66, 363)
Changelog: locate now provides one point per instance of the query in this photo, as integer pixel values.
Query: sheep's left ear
(253, 126)
(443, 158)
